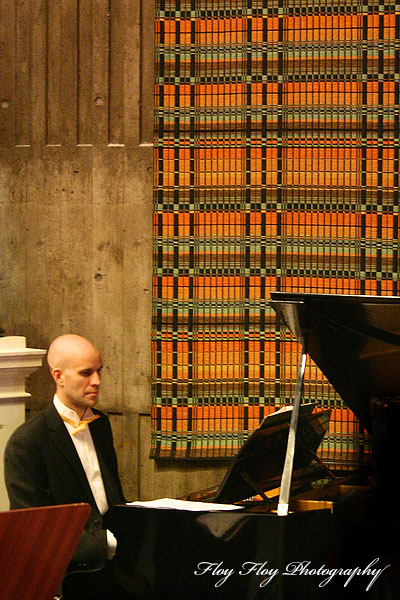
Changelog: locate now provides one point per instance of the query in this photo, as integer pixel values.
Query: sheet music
(173, 504)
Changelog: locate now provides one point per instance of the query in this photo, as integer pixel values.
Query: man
(65, 454)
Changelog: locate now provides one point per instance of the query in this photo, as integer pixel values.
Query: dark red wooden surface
(36, 545)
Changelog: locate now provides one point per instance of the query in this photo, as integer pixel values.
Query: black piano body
(167, 555)
(340, 539)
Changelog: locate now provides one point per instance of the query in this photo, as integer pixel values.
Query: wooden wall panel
(145, 118)
(71, 72)
(7, 71)
(100, 75)
(116, 113)
(35, 101)
(54, 83)
(132, 82)
(23, 109)
(85, 72)
(76, 132)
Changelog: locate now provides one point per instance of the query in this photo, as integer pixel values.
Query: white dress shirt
(84, 446)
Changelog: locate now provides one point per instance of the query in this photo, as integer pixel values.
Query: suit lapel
(97, 432)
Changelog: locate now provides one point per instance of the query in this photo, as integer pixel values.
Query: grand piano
(301, 532)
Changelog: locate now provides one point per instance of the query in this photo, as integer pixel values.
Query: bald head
(75, 365)
(66, 348)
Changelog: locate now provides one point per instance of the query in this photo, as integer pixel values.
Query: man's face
(79, 380)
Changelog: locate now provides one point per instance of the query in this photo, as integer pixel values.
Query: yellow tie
(82, 425)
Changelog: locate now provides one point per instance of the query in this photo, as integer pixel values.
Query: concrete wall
(76, 162)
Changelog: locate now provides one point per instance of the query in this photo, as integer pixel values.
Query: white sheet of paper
(184, 505)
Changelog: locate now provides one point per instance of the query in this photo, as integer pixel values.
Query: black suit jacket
(42, 468)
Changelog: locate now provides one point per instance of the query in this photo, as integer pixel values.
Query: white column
(16, 363)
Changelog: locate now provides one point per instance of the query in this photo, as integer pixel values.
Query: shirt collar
(68, 412)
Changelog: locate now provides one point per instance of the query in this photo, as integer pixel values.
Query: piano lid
(258, 465)
(354, 340)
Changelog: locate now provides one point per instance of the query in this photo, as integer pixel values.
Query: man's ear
(58, 375)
